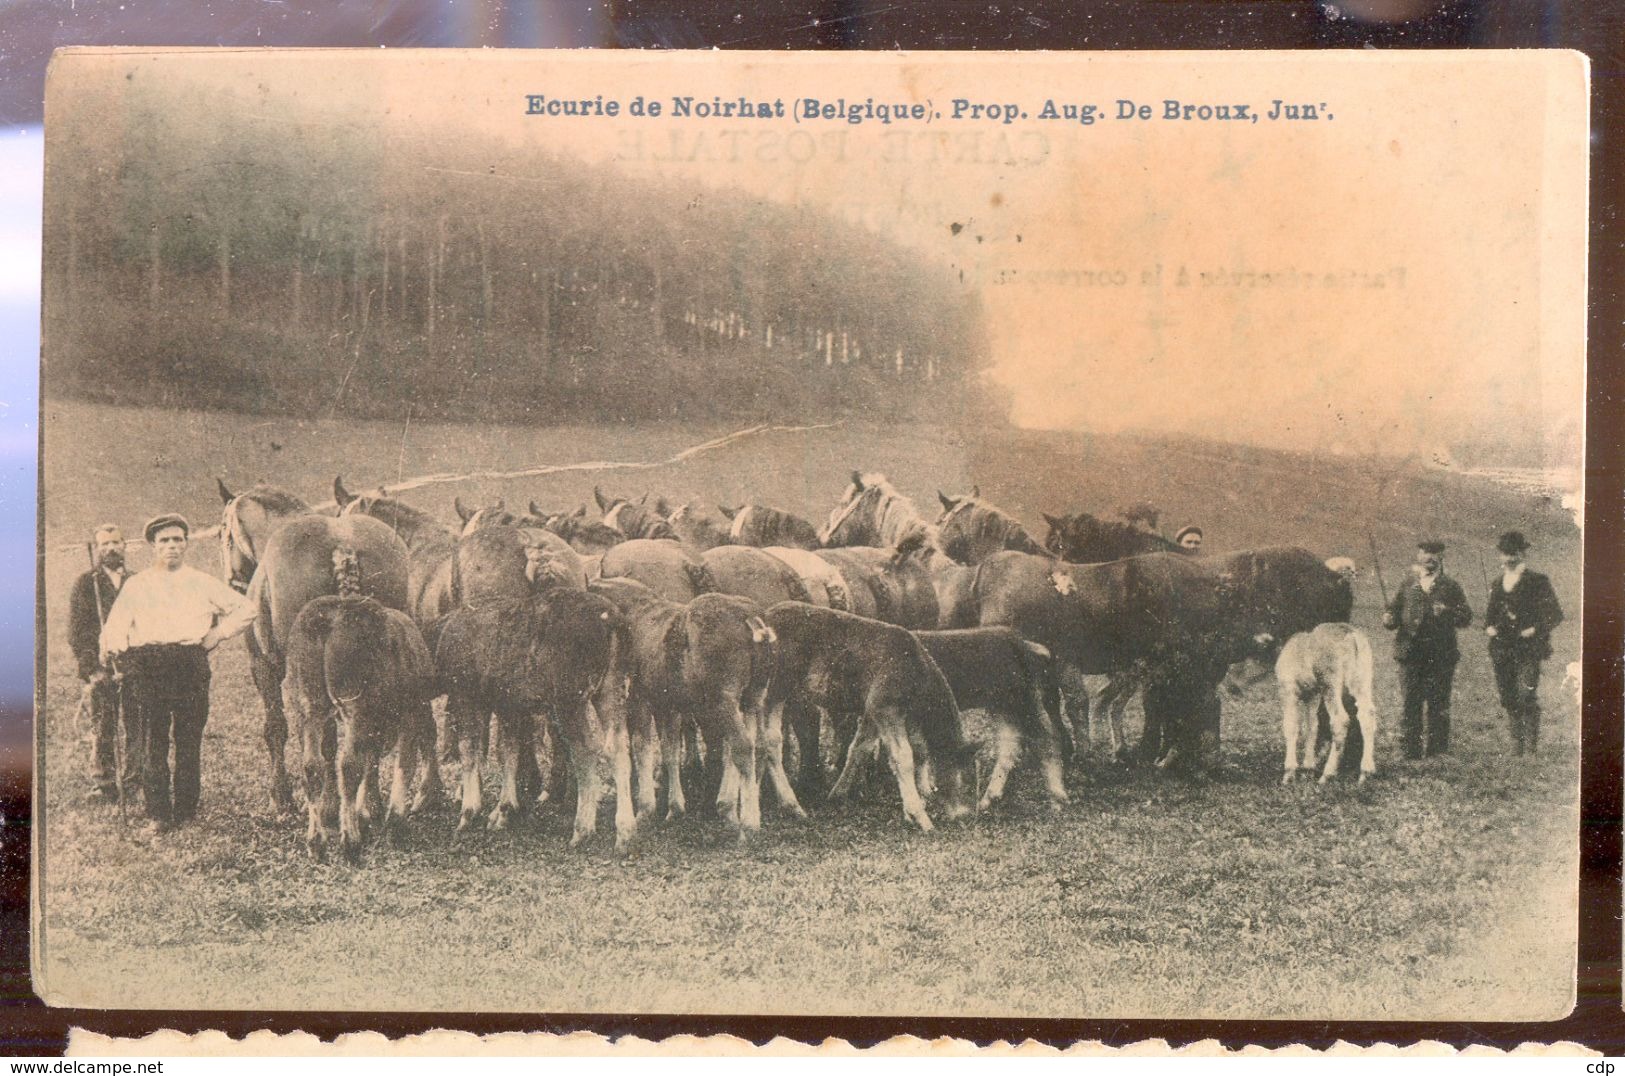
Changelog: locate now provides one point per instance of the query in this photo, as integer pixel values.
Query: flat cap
(1188, 530)
(169, 519)
(1436, 548)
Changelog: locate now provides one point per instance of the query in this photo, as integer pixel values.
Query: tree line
(216, 250)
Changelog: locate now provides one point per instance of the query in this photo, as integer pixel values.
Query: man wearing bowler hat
(1519, 620)
(158, 636)
(1425, 614)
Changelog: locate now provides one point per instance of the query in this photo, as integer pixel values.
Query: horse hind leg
(1006, 750)
(352, 775)
(512, 745)
(407, 741)
(1291, 723)
(468, 722)
(863, 749)
(900, 753)
(425, 740)
(1340, 732)
(770, 748)
(586, 747)
(268, 680)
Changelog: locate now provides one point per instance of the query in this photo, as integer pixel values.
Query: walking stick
(1483, 573)
(1377, 567)
(118, 695)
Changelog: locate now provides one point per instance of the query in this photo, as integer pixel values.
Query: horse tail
(1042, 716)
(347, 571)
(797, 587)
(944, 731)
(700, 576)
(764, 656)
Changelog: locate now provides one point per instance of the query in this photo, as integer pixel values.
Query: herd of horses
(678, 649)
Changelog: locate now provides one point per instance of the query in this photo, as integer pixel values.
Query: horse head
(856, 519)
(246, 524)
(492, 515)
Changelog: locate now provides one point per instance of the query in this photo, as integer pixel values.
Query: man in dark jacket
(1425, 613)
(1519, 620)
(88, 606)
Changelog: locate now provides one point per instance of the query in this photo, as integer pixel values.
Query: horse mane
(273, 499)
(1117, 539)
(899, 518)
(400, 517)
(982, 522)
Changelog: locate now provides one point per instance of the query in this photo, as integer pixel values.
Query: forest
(265, 254)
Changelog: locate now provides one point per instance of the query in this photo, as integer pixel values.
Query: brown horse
(1182, 620)
(1087, 539)
(761, 525)
(873, 513)
(708, 661)
(429, 546)
(634, 520)
(879, 678)
(970, 529)
(280, 554)
(549, 652)
(359, 682)
(589, 537)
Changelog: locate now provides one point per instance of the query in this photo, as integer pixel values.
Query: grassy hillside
(1442, 889)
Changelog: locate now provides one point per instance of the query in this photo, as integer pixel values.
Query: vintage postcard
(1008, 535)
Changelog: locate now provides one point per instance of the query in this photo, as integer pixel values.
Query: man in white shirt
(158, 636)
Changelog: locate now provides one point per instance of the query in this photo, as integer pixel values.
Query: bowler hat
(163, 522)
(1436, 548)
(1512, 543)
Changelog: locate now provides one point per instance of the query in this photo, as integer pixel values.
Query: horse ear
(857, 479)
(1057, 524)
(226, 496)
(644, 499)
(536, 511)
(661, 507)
(501, 505)
(598, 495)
(341, 496)
(462, 513)
(947, 501)
(976, 492)
(728, 512)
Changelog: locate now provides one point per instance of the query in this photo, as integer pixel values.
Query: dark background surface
(29, 31)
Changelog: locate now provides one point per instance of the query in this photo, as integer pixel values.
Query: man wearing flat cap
(158, 636)
(1519, 619)
(1189, 539)
(1425, 614)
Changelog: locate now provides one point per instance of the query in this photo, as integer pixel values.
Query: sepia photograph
(872, 534)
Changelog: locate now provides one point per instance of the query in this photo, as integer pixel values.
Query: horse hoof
(1289, 777)
(466, 821)
(351, 850)
(316, 850)
(578, 837)
(500, 818)
(985, 804)
(1364, 777)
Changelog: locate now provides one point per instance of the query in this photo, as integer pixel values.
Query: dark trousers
(168, 687)
(1517, 678)
(102, 700)
(1427, 685)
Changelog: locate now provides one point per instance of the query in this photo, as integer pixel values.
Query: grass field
(1442, 889)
